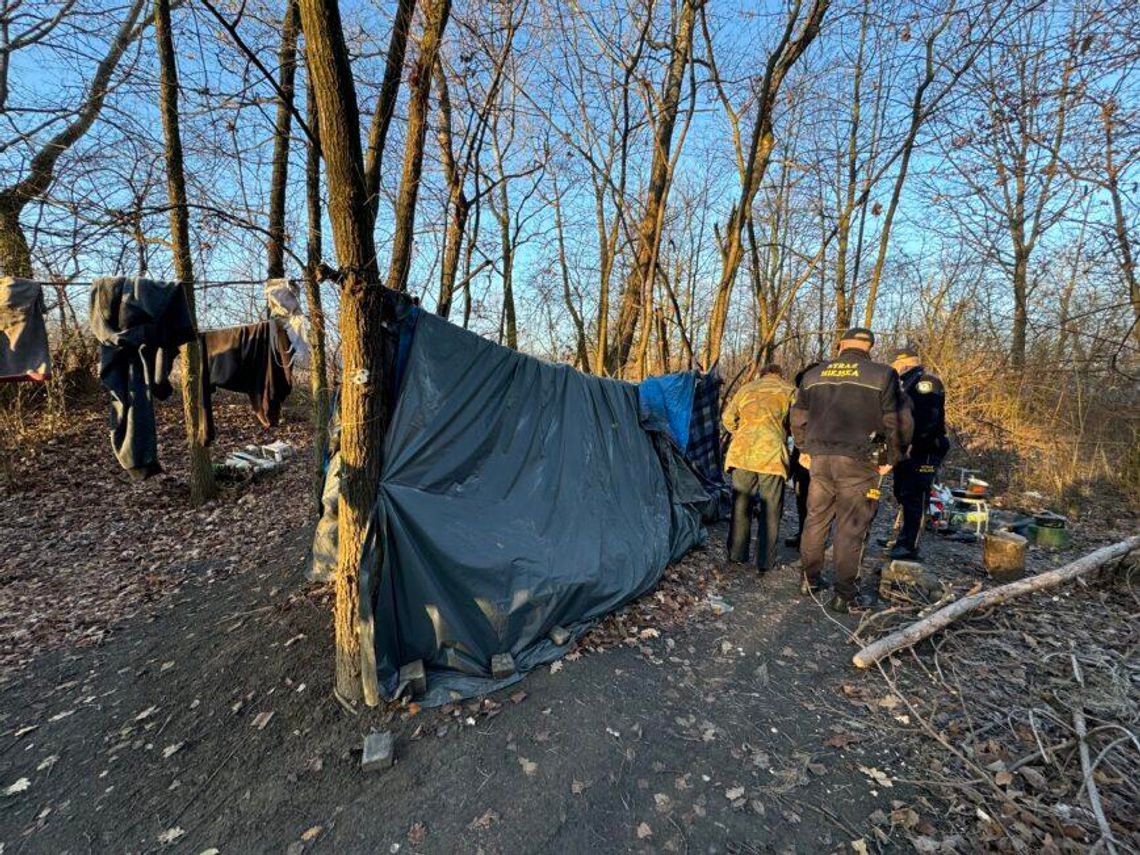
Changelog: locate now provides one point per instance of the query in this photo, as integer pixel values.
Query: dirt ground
(193, 712)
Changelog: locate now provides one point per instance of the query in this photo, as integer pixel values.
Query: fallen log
(930, 624)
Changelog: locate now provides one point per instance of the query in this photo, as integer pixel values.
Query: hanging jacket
(24, 351)
(757, 418)
(139, 324)
(254, 360)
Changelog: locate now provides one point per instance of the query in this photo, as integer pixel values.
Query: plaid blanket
(704, 452)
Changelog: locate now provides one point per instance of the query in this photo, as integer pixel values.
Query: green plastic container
(1049, 537)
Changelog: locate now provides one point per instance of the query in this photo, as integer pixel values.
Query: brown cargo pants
(838, 492)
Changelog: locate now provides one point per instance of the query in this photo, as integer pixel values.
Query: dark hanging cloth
(139, 324)
(253, 359)
(23, 335)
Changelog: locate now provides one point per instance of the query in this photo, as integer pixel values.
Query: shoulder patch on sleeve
(925, 386)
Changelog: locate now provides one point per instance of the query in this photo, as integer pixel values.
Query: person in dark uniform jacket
(851, 425)
(799, 475)
(914, 475)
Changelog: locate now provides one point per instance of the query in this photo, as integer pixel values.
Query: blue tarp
(667, 403)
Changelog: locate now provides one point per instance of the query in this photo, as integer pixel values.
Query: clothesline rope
(199, 285)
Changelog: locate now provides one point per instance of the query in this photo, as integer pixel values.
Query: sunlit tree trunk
(363, 409)
(201, 471)
(318, 367)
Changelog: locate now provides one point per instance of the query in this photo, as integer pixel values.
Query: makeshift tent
(515, 496)
(687, 405)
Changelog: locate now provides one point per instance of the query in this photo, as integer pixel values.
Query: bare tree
(788, 50)
(662, 109)
(1010, 166)
(15, 255)
(202, 487)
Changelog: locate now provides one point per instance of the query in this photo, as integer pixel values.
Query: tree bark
(362, 408)
(1020, 306)
(287, 67)
(318, 368)
(435, 13)
(201, 470)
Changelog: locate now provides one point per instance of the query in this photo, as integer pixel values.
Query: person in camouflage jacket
(757, 418)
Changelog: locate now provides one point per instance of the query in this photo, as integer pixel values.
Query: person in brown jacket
(757, 418)
(851, 426)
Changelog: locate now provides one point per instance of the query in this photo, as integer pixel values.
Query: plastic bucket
(1003, 553)
(1049, 537)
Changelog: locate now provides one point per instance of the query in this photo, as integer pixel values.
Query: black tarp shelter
(515, 495)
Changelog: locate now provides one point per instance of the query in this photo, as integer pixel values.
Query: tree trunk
(202, 486)
(457, 203)
(386, 103)
(15, 255)
(435, 14)
(510, 332)
(583, 355)
(639, 282)
(318, 369)
(363, 405)
(287, 66)
(1020, 307)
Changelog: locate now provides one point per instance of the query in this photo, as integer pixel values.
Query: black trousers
(838, 493)
(913, 479)
(766, 492)
(802, 480)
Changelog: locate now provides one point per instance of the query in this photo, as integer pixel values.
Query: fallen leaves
(19, 786)
(879, 777)
(417, 834)
(170, 750)
(484, 821)
(842, 740)
(261, 720)
(734, 793)
(93, 552)
(529, 767)
(170, 835)
(644, 832)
